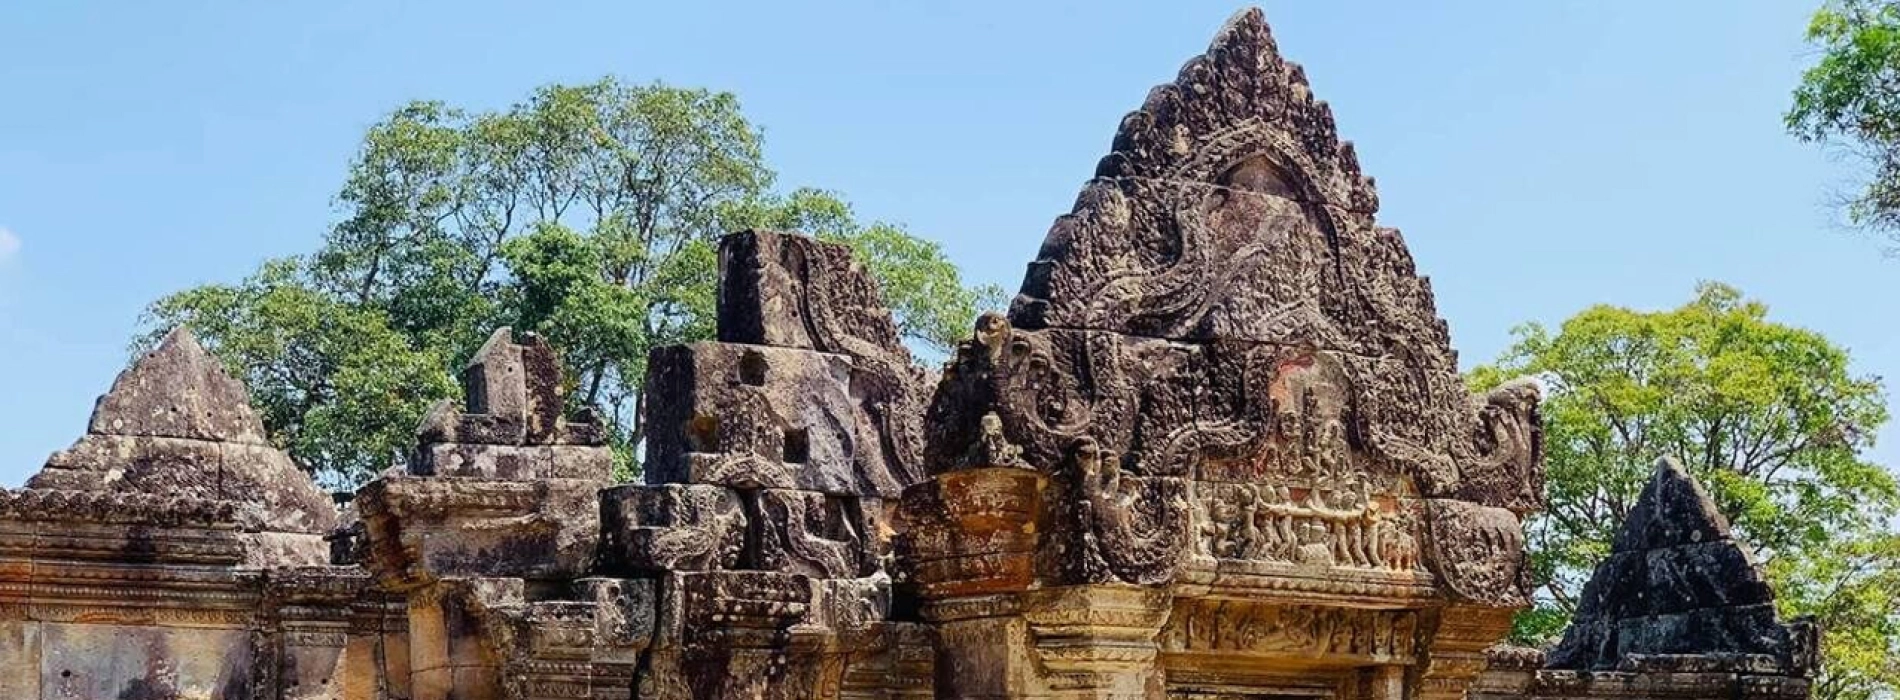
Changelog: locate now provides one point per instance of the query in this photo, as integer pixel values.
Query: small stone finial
(511, 396)
(176, 424)
(518, 382)
(178, 390)
(513, 421)
(491, 381)
(1677, 584)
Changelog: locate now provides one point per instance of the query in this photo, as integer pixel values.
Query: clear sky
(1540, 156)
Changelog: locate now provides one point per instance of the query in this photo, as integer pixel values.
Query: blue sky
(1540, 156)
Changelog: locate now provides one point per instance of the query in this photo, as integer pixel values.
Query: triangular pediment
(1229, 209)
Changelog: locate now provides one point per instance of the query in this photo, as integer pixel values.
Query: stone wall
(1217, 448)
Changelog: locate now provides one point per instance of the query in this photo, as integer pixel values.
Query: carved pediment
(1220, 341)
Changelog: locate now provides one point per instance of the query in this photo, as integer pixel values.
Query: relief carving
(1134, 525)
(1478, 552)
(1329, 527)
(1264, 629)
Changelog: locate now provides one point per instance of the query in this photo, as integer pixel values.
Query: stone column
(1456, 654)
(1097, 642)
(968, 548)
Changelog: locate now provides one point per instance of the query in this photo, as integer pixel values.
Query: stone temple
(1218, 448)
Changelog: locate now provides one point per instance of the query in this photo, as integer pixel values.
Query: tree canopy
(587, 213)
(1771, 418)
(1850, 98)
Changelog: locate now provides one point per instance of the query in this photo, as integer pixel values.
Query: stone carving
(1478, 552)
(1332, 528)
(1220, 322)
(1201, 627)
(175, 424)
(674, 527)
(1230, 384)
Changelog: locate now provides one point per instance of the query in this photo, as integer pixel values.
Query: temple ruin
(1678, 610)
(1217, 448)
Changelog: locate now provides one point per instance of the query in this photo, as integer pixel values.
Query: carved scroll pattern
(1248, 628)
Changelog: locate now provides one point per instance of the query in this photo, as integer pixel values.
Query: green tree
(1769, 417)
(1850, 98)
(588, 213)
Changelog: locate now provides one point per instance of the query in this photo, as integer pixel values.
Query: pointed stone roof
(1673, 510)
(1676, 583)
(178, 390)
(175, 424)
(1238, 101)
(1229, 212)
(1229, 209)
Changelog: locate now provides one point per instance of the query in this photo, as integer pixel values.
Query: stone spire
(178, 390)
(176, 425)
(1229, 208)
(1212, 121)
(1229, 212)
(1677, 583)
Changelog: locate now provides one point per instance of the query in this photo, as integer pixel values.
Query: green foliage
(1851, 97)
(587, 213)
(1769, 417)
(1852, 586)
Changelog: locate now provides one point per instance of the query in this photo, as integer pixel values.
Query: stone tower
(162, 555)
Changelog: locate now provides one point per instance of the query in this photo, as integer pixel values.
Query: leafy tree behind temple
(588, 213)
(1769, 417)
(1850, 98)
